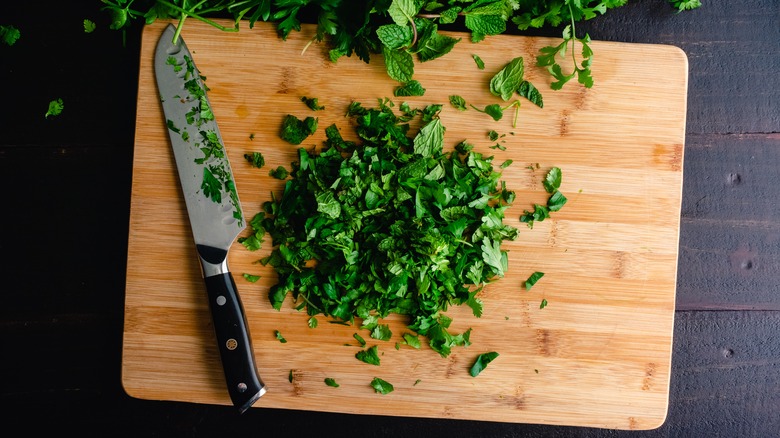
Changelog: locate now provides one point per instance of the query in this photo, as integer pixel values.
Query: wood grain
(599, 355)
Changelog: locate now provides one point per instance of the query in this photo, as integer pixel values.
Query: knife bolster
(213, 261)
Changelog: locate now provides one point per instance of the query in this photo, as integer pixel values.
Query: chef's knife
(213, 207)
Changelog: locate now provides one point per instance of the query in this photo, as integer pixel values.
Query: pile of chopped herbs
(389, 224)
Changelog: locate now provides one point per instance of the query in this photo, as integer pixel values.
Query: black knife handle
(235, 347)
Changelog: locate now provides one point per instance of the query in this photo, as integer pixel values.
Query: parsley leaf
(295, 130)
(280, 337)
(381, 386)
(331, 382)
(9, 34)
(369, 356)
(312, 103)
(458, 102)
(55, 108)
(256, 159)
(89, 26)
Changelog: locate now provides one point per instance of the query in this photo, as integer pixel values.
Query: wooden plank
(730, 224)
(602, 348)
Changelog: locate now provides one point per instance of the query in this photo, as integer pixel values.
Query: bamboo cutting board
(598, 355)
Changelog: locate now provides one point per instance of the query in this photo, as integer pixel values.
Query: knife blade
(213, 207)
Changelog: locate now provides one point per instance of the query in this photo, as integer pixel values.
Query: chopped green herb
(555, 202)
(55, 108)
(256, 159)
(331, 382)
(416, 382)
(251, 278)
(532, 279)
(381, 332)
(89, 26)
(313, 322)
(280, 337)
(543, 304)
(482, 362)
(458, 102)
(395, 225)
(531, 93)
(360, 339)
(412, 340)
(381, 386)
(411, 88)
(9, 34)
(290, 376)
(369, 356)
(295, 130)
(279, 173)
(312, 103)
(479, 62)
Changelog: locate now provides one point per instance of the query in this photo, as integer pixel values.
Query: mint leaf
(394, 36)
(429, 142)
(458, 102)
(531, 93)
(399, 64)
(402, 11)
(411, 88)
(508, 80)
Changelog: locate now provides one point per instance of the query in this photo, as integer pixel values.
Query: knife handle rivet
(241, 387)
(221, 300)
(231, 344)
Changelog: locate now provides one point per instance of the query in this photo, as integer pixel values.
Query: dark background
(63, 235)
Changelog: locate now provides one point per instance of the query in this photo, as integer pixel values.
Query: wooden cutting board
(598, 355)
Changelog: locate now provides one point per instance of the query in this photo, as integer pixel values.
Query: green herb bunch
(403, 31)
(391, 225)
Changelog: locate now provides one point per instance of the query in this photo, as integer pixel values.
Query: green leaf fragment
(482, 362)
(532, 279)
(55, 108)
(381, 386)
(331, 382)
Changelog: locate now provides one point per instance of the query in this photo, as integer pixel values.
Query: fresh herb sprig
(403, 31)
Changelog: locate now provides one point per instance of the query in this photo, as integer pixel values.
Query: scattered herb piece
(279, 173)
(251, 278)
(479, 62)
(412, 340)
(290, 376)
(458, 102)
(9, 34)
(331, 382)
(556, 201)
(251, 135)
(508, 79)
(416, 382)
(360, 339)
(543, 304)
(531, 93)
(295, 130)
(411, 88)
(683, 5)
(369, 356)
(55, 108)
(313, 322)
(312, 103)
(381, 386)
(482, 362)
(256, 159)
(280, 337)
(381, 332)
(89, 26)
(532, 279)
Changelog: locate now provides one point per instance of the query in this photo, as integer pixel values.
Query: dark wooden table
(63, 238)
